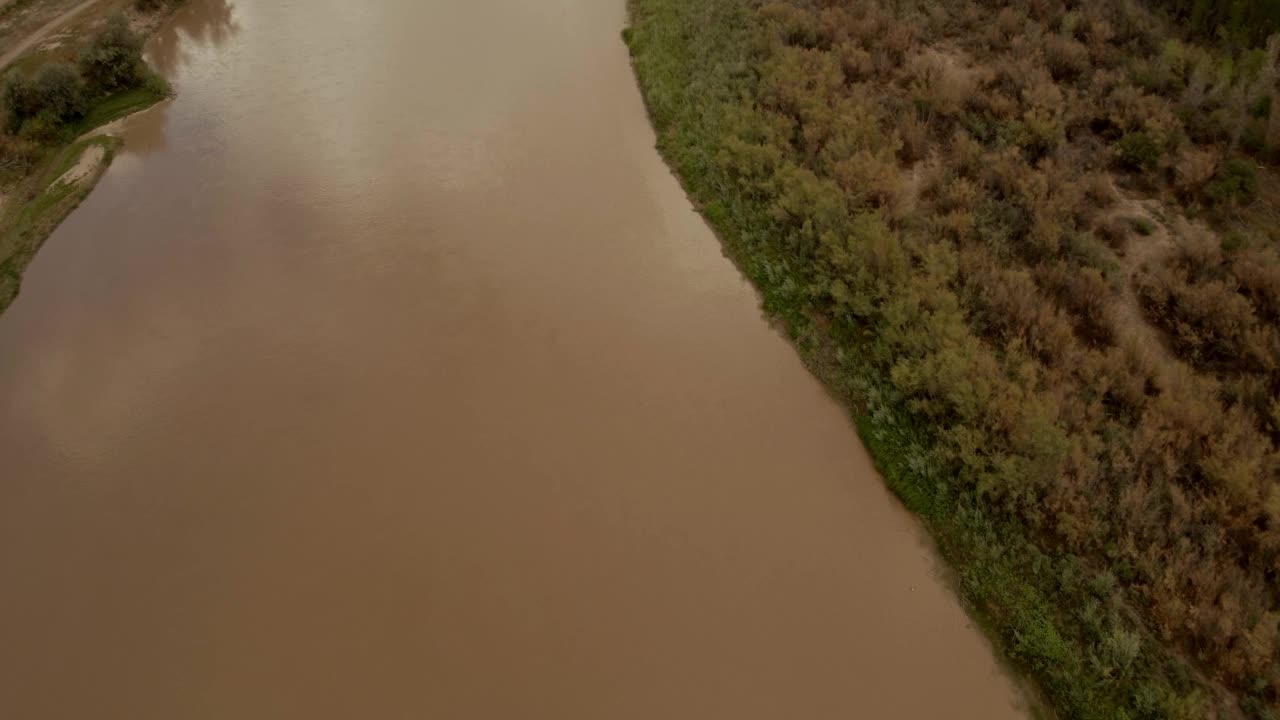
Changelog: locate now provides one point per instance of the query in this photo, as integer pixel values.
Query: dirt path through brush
(45, 31)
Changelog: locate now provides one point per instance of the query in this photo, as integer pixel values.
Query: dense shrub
(1236, 183)
(1138, 151)
(55, 95)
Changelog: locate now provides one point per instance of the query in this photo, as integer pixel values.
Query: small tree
(113, 62)
(60, 91)
(1236, 183)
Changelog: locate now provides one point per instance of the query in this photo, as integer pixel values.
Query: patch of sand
(89, 161)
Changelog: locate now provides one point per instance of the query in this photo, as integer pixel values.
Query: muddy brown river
(389, 374)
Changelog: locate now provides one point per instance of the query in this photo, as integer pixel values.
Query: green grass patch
(1142, 225)
(117, 106)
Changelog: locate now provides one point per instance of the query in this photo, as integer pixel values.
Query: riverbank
(1068, 610)
(62, 184)
(674, 47)
(36, 199)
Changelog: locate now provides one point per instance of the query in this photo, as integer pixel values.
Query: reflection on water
(208, 24)
(146, 132)
(388, 373)
(196, 27)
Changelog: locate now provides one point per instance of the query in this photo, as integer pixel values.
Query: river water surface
(389, 374)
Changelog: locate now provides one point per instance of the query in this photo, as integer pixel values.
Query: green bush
(1236, 183)
(1233, 241)
(1138, 151)
(1261, 108)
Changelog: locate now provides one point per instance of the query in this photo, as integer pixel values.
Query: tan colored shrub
(868, 22)
(1258, 271)
(999, 104)
(833, 24)
(941, 81)
(1042, 93)
(1020, 68)
(867, 178)
(1043, 131)
(1114, 231)
(1009, 23)
(957, 225)
(17, 155)
(898, 40)
(1099, 190)
(856, 62)
(914, 134)
(966, 154)
(1129, 108)
(800, 82)
(1099, 36)
(1194, 168)
(958, 194)
(1066, 57)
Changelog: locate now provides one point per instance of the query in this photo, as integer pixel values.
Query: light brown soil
(89, 160)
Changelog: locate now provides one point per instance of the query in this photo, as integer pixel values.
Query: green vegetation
(154, 5)
(1138, 151)
(121, 104)
(1236, 22)
(45, 111)
(935, 200)
(1143, 226)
